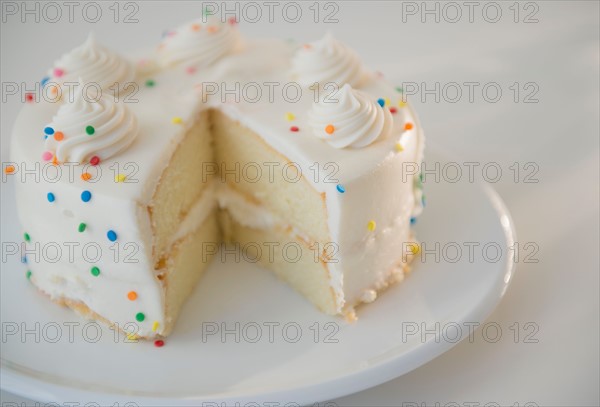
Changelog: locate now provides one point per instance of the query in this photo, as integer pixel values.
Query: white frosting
(372, 177)
(353, 119)
(94, 63)
(115, 128)
(199, 44)
(327, 61)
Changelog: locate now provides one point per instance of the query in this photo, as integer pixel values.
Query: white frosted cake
(295, 153)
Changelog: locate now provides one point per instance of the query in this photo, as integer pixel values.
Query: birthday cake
(294, 154)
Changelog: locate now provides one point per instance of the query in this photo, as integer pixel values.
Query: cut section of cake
(310, 178)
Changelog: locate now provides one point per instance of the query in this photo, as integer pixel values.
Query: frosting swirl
(327, 60)
(354, 120)
(112, 126)
(93, 63)
(199, 43)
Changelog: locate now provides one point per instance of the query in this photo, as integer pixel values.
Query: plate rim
(26, 382)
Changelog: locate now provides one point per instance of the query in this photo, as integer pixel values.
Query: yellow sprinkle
(120, 178)
(176, 120)
(371, 225)
(289, 116)
(399, 147)
(155, 326)
(414, 248)
(387, 102)
(131, 336)
(402, 103)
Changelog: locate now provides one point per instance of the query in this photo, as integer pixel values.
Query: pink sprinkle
(232, 21)
(58, 72)
(47, 156)
(190, 69)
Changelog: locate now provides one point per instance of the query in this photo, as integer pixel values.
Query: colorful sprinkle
(408, 126)
(289, 116)
(150, 83)
(131, 336)
(29, 97)
(159, 343)
(59, 136)
(95, 271)
(81, 227)
(212, 29)
(24, 259)
(340, 189)
(28, 274)
(9, 169)
(413, 220)
(86, 176)
(294, 128)
(402, 103)
(371, 225)
(176, 120)
(86, 196)
(140, 316)
(195, 27)
(329, 129)
(155, 325)
(132, 295)
(393, 110)
(95, 160)
(44, 81)
(190, 70)
(49, 131)
(51, 197)
(26, 237)
(387, 101)
(399, 147)
(414, 248)
(58, 72)
(90, 130)
(232, 21)
(399, 89)
(54, 160)
(381, 102)
(111, 235)
(120, 178)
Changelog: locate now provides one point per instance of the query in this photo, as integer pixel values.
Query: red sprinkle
(159, 343)
(95, 160)
(294, 128)
(232, 21)
(29, 97)
(393, 110)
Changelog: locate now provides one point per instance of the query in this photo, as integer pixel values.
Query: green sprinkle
(140, 316)
(28, 274)
(95, 271)
(150, 83)
(82, 227)
(90, 130)
(399, 89)
(27, 237)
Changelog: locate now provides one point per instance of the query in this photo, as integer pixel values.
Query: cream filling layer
(197, 214)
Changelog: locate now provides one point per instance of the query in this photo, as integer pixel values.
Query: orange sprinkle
(54, 160)
(329, 129)
(132, 295)
(86, 176)
(212, 29)
(195, 27)
(408, 126)
(58, 136)
(54, 90)
(9, 169)
(307, 46)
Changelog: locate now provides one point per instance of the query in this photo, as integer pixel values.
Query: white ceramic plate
(330, 358)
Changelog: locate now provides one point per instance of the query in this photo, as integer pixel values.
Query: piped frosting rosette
(327, 60)
(96, 64)
(349, 118)
(199, 43)
(83, 129)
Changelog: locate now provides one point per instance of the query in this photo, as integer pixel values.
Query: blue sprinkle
(112, 236)
(45, 137)
(413, 220)
(86, 196)
(423, 200)
(381, 102)
(24, 259)
(340, 189)
(51, 197)
(44, 81)
(49, 130)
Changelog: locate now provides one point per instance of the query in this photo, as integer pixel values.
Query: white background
(559, 133)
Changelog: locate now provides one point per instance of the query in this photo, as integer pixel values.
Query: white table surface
(559, 53)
